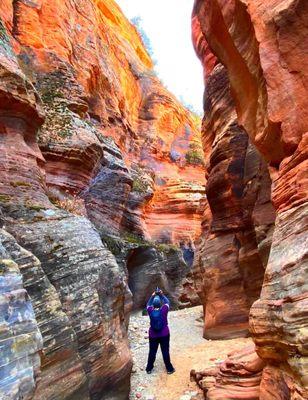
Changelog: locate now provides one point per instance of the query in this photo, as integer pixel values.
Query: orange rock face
(262, 47)
(238, 377)
(121, 97)
(234, 248)
(88, 136)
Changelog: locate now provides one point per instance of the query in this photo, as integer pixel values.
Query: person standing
(159, 333)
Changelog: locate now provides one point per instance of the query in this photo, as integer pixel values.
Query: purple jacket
(164, 310)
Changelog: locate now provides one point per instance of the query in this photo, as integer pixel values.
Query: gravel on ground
(188, 351)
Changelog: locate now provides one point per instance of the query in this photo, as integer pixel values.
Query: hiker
(159, 334)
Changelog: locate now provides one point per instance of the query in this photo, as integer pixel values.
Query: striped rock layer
(101, 178)
(254, 56)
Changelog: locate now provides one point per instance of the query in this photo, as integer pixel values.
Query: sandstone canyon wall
(255, 59)
(101, 184)
(238, 224)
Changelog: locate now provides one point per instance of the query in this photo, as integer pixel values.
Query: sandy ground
(188, 351)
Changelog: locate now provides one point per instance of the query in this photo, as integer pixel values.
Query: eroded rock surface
(239, 376)
(20, 337)
(95, 159)
(98, 83)
(149, 267)
(92, 292)
(262, 47)
(237, 226)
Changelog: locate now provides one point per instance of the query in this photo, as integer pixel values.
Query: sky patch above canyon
(167, 23)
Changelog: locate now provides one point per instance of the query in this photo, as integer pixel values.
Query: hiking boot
(149, 371)
(172, 371)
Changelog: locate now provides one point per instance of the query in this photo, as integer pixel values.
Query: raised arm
(165, 299)
(150, 301)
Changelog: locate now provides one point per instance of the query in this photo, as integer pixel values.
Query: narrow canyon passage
(189, 351)
(110, 185)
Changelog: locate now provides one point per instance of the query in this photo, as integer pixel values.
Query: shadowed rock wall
(21, 340)
(261, 45)
(235, 245)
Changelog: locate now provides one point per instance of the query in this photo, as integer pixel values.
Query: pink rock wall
(262, 46)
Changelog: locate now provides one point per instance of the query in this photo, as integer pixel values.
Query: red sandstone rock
(230, 264)
(262, 46)
(86, 126)
(84, 346)
(122, 98)
(238, 377)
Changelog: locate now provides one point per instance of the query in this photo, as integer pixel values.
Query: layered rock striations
(96, 157)
(104, 78)
(261, 46)
(20, 338)
(98, 84)
(238, 377)
(83, 325)
(238, 225)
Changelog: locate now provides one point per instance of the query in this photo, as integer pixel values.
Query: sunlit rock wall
(100, 82)
(238, 377)
(97, 161)
(97, 84)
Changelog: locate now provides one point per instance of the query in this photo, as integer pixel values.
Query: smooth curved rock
(262, 46)
(84, 348)
(238, 377)
(237, 227)
(150, 267)
(92, 291)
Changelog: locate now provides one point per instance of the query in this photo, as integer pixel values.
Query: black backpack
(156, 320)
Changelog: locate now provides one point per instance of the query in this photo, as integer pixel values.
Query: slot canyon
(110, 187)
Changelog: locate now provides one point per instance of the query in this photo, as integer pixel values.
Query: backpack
(156, 320)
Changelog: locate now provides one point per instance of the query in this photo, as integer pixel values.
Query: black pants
(164, 343)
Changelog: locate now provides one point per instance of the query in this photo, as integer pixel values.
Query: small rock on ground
(188, 351)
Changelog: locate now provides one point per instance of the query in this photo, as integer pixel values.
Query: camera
(158, 291)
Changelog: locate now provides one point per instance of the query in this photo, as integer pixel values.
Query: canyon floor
(188, 351)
